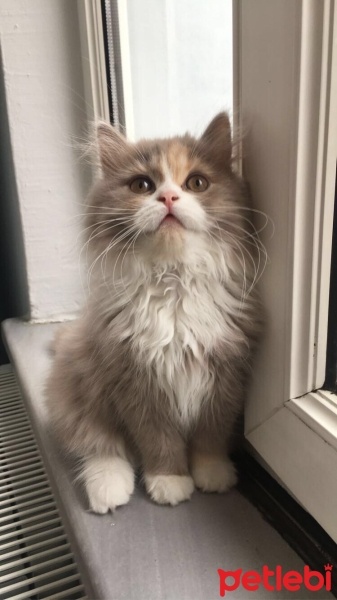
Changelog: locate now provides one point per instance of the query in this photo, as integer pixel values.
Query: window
(165, 52)
(286, 89)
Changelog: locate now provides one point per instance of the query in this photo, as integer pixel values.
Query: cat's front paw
(109, 482)
(169, 489)
(213, 473)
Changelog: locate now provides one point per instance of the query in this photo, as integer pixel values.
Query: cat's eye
(141, 185)
(197, 183)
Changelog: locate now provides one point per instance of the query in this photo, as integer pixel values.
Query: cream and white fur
(154, 371)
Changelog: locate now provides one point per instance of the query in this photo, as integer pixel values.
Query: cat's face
(161, 196)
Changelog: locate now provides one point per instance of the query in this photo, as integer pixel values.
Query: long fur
(154, 370)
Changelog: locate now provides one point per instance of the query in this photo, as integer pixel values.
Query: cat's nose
(168, 198)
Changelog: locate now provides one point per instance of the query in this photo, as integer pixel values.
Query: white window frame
(286, 99)
(94, 62)
(94, 65)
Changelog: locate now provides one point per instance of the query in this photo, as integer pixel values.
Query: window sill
(318, 410)
(299, 444)
(143, 550)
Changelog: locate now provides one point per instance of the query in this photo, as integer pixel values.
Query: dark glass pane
(331, 363)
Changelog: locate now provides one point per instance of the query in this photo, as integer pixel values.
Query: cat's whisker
(131, 230)
(244, 285)
(118, 237)
(260, 249)
(131, 245)
(97, 233)
(257, 270)
(114, 270)
(111, 215)
(252, 236)
(238, 207)
(92, 236)
(112, 222)
(96, 225)
(224, 210)
(101, 206)
(217, 242)
(241, 249)
(86, 246)
(250, 223)
(113, 243)
(114, 284)
(243, 263)
(225, 214)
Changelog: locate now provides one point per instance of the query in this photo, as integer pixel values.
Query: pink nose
(168, 198)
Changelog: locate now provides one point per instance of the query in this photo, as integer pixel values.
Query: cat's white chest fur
(173, 322)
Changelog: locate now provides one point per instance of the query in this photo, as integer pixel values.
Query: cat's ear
(112, 147)
(216, 141)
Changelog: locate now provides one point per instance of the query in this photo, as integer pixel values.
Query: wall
(13, 289)
(46, 111)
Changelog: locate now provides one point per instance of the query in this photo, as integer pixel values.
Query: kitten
(154, 370)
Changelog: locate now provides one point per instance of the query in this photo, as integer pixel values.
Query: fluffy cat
(153, 372)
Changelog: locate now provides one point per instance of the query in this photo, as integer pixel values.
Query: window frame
(289, 421)
(93, 59)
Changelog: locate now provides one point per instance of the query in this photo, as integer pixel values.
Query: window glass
(180, 64)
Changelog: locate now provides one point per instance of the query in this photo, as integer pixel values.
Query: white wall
(181, 64)
(44, 88)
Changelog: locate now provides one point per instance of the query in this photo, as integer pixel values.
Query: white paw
(169, 489)
(213, 474)
(109, 482)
